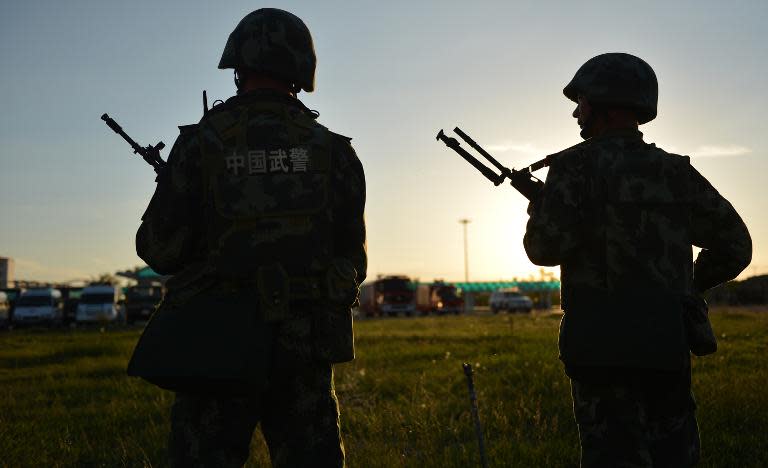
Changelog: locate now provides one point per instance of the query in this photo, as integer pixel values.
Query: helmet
(617, 79)
(275, 42)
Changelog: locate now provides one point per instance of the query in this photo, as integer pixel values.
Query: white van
(99, 303)
(511, 300)
(35, 306)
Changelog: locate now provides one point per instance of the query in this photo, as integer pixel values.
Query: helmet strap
(238, 82)
(588, 127)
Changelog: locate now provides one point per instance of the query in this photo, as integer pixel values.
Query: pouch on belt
(332, 331)
(211, 341)
(701, 337)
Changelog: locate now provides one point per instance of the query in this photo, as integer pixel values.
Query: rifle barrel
(541, 164)
(151, 154)
(119, 130)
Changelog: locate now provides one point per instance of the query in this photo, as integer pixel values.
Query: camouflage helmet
(617, 79)
(275, 42)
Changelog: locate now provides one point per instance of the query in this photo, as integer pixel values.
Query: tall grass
(65, 399)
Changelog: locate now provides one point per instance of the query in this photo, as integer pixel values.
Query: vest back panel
(267, 170)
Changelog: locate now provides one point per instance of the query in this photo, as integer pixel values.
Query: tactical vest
(647, 222)
(623, 291)
(266, 176)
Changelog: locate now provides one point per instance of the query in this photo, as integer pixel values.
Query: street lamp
(464, 222)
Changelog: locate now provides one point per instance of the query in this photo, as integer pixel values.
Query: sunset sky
(390, 75)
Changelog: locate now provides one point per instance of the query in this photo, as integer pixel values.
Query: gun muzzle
(111, 123)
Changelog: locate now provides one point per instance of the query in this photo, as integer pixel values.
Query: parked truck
(439, 298)
(387, 295)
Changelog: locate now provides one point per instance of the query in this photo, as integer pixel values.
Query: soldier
(259, 218)
(619, 216)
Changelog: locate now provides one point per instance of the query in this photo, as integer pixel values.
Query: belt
(300, 289)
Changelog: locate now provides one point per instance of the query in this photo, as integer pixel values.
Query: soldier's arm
(169, 235)
(720, 232)
(555, 225)
(349, 226)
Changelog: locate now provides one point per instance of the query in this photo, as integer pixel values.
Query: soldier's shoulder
(186, 146)
(344, 153)
(657, 150)
(341, 138)
(671, 164)
(188, 130)
(571, 158)
(342, 143)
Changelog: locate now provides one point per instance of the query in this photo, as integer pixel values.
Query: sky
(390, 75)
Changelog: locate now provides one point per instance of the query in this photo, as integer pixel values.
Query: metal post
(464, 222)
(475, 414)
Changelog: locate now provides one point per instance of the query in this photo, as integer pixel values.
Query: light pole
(468, 299)
(464, 222)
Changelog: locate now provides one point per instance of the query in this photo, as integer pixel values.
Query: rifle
(522, 180)
(151, 154)
(475, 415)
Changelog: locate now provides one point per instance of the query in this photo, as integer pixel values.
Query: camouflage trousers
(646, 420)
(299, 417)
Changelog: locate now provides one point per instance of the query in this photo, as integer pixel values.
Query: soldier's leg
(673, 430)
(209, 431)
(301, 418)
(611, 420)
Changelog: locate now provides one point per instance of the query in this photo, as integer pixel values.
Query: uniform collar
(268, 95)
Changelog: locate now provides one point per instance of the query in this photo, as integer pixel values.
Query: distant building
(7, 279)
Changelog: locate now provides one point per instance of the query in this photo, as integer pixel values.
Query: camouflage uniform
(259, 218)
(620, 216)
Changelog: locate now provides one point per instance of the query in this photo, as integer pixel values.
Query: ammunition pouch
(212, 343)
(326, 299)
(223, 337)
(332, 331)
(701, 337)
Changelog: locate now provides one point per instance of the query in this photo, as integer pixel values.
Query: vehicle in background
(5, 310)
(510, 300)
(13, 295)
(387, 295)
(140, 301)
(99, 303)
(438, 297)
(39, 306)
(71, 298)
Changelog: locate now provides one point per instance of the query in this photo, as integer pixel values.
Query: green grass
(65, 399)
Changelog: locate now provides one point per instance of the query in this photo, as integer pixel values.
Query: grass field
(65, 399)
